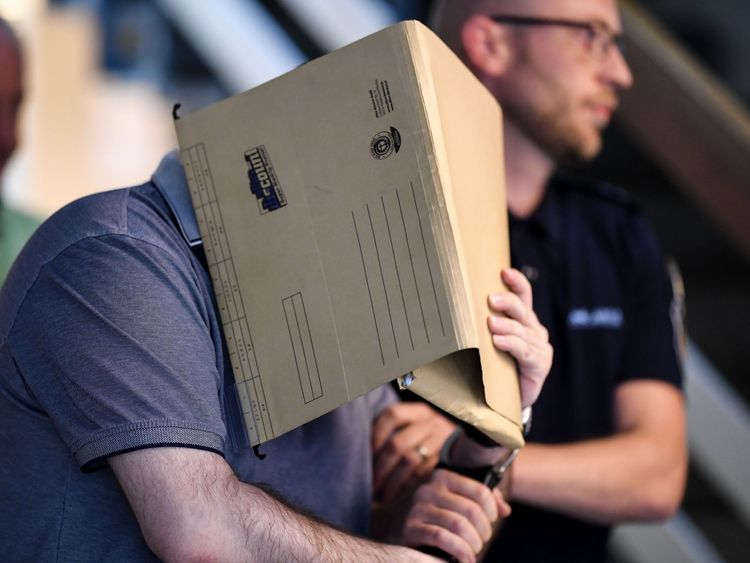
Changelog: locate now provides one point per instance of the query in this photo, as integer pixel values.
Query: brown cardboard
(384, 231)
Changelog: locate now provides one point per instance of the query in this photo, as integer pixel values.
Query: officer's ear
(486, 45)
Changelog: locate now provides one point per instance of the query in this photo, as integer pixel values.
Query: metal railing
(688, 123)
(699, 134)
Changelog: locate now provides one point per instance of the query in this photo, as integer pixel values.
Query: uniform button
(530, 272)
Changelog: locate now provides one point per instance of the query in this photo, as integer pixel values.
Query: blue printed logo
(263, 182)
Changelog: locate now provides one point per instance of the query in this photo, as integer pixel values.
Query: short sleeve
(650, 351)
(113, 342)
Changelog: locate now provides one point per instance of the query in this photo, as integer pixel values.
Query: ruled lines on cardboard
(303, 348)
(398, 273)
(228, 298)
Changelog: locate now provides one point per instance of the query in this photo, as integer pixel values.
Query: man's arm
(637, 473)
(191, 507)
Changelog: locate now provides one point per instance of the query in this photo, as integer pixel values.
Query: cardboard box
(353, 215)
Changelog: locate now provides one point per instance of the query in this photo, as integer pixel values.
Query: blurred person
(607, 443)
(120, 426)
(10, 91)
(15, 228)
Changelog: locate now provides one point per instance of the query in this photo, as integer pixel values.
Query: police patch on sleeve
(599, 317)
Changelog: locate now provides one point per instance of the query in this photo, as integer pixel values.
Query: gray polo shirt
(110, 341)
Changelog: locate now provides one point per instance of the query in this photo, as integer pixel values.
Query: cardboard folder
(354, 221)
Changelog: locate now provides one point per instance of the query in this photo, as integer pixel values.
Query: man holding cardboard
(119, 430)
(608, 439)
(121, 421)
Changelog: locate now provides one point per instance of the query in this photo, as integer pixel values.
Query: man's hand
(516, 330)
(403, 430)
(453, 513)
(406, 439)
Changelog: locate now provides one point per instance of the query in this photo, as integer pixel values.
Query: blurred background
(102, 76)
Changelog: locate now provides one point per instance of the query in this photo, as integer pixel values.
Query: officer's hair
(447, 17)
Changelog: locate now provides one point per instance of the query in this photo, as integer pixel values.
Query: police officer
(608, 439)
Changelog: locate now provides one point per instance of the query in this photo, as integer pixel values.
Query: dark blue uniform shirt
(601, 289)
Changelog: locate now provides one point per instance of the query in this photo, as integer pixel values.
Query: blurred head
(10, 91)
(552, 65)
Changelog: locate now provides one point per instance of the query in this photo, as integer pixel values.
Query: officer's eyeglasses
(599, 37)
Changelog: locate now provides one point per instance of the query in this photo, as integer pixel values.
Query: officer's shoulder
(600, 194)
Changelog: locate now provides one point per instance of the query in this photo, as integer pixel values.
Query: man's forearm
(191, 507)
(269, 530)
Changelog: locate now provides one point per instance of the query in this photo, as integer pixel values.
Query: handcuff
(489, 475)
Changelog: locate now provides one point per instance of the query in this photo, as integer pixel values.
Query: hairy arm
(191, 507)
(637, 473)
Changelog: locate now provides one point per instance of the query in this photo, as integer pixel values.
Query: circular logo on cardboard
(385, 143)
